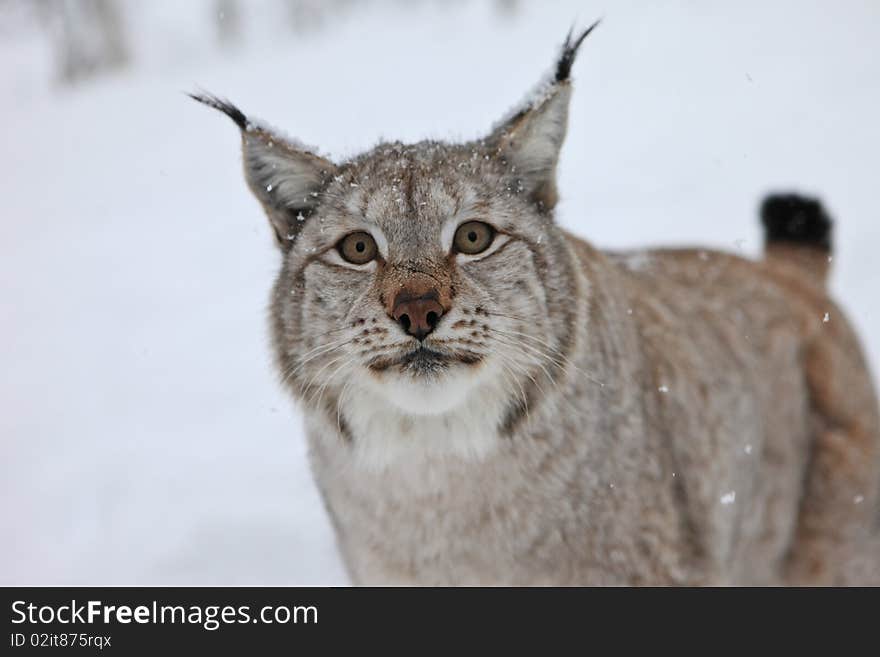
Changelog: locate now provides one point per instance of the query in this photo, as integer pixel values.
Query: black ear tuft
(796, 219)
(569, 52)
(224, 106)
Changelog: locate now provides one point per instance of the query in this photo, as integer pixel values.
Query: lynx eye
(473, 237)
(357, 248)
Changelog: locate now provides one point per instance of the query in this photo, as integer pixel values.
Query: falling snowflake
(728, 498)
(663, 389)
(638, 261)
(747, 449)
(826, 317)
(858, 499)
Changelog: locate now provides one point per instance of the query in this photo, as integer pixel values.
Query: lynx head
(420, 272)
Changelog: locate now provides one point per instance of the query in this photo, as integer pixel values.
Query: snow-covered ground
(144, 437)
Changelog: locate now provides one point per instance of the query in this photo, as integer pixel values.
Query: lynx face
(419, 277)
(426, 278)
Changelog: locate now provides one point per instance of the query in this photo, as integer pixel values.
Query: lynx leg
(837, 541)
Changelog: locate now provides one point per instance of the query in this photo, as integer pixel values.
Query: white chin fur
(427, 396)
(400, 421)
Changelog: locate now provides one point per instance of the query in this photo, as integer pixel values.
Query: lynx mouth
(424, 361)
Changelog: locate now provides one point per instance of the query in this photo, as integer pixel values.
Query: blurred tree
(227, 17)
(88, 36)
(305, 15)
(507, 8)
(312, 15)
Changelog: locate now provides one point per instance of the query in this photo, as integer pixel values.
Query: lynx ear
(286, 178)
(531, 139)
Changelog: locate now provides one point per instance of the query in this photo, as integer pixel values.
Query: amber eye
(473, 237)
(357, 248)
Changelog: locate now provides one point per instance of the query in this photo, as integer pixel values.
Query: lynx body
(491, 400)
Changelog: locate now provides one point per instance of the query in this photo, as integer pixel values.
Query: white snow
(145, 437)
(728, 498)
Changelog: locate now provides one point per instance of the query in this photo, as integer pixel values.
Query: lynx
(490, 400)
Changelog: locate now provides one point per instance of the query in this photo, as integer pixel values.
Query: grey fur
(659, 417)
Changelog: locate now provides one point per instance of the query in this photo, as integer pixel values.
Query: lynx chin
(489, 399)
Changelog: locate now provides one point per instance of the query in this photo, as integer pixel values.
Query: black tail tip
(796, 219)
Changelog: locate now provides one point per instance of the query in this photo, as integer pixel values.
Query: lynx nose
(418, 315)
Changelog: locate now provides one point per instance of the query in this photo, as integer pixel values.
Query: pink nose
(418, 315)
